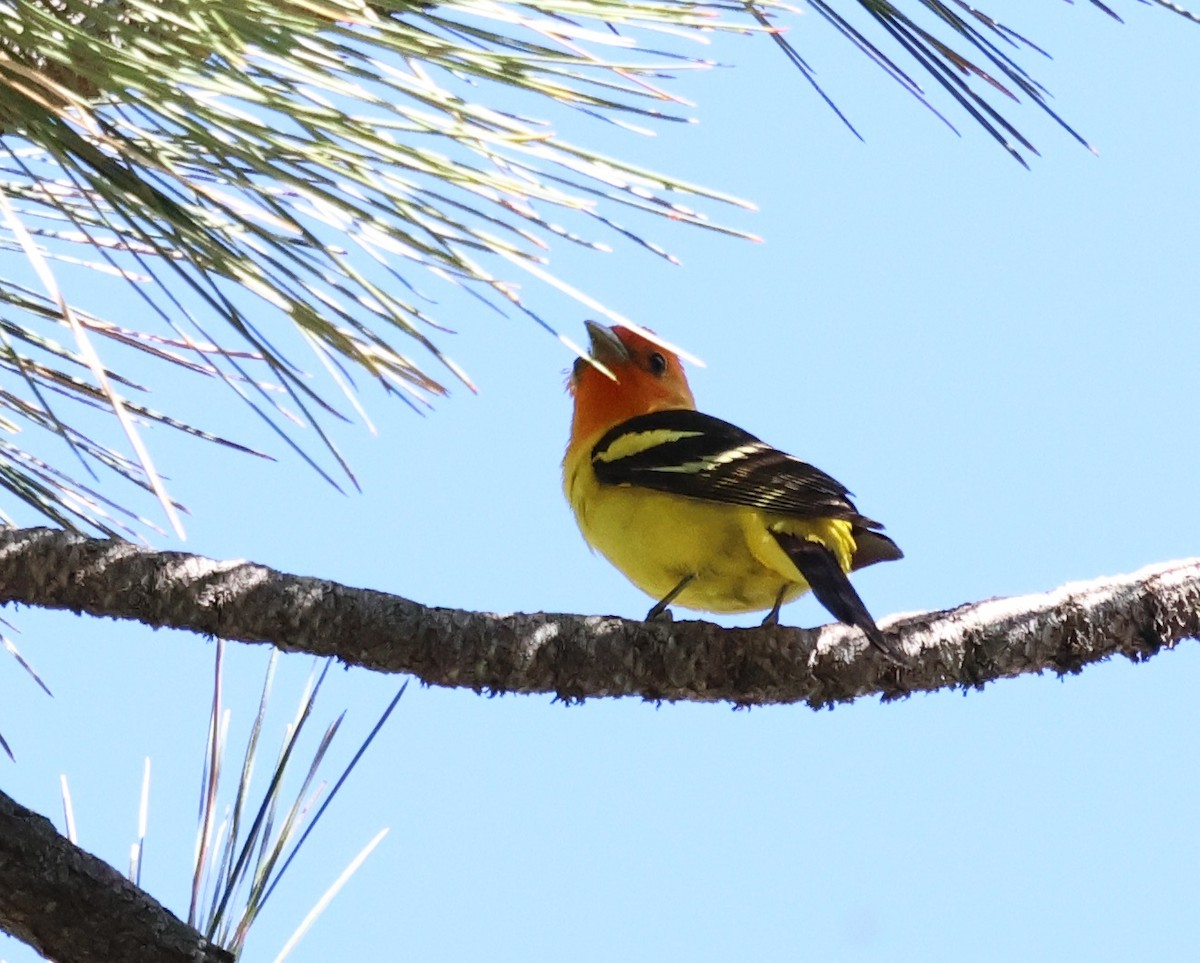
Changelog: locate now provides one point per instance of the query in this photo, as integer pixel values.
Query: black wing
(696, 455)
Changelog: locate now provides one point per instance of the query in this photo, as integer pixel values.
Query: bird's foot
(772, 617)
(660, 613)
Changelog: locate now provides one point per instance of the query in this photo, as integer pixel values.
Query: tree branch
(586, 656)
(69, 905)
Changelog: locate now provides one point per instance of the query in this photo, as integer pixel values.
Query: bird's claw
(659, 613)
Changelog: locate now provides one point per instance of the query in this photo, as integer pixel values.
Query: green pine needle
(242, 173)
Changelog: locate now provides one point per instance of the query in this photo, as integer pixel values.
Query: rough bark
(69, 905)
(577, 657)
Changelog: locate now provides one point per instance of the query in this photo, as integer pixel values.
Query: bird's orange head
(646, 377)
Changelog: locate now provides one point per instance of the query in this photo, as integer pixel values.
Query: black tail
(871, 547)
(833, 589)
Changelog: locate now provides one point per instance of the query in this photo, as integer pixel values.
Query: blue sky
(1000, 363)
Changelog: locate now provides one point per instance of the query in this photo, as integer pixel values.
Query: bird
(697, 512)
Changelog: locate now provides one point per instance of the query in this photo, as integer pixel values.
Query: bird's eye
(657, 364)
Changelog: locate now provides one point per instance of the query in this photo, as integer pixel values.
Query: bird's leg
(773, 616)
(661, 605)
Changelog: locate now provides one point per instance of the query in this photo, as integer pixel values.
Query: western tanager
(697, 512)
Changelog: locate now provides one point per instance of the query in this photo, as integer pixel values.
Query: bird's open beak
(606, 347)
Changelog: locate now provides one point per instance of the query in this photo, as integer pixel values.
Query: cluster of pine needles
(248, 838)
(270, 189)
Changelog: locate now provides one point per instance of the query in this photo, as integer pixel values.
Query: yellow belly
(657, 540)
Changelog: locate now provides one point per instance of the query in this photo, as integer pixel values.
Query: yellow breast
(656, 539)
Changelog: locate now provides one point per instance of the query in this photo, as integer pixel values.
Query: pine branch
(69, 905)
(578, 657)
